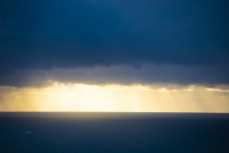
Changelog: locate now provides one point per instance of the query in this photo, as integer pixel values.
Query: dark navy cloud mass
(66, 34)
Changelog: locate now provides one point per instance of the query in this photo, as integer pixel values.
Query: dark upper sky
(49, 34)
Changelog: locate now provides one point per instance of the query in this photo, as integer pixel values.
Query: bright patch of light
(114, 98)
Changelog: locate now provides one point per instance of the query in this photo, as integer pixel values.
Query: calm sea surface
(114, 133)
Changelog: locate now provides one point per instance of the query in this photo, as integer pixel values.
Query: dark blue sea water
(113, 133)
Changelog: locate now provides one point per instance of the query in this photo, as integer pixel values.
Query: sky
(178, 47)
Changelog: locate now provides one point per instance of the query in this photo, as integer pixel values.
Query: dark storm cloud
(48, 34)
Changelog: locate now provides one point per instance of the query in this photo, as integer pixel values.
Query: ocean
(114, 133)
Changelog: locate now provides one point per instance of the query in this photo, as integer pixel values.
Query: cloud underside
(122, 74)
